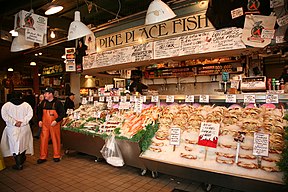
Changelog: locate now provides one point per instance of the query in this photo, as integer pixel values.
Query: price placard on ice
(123, 98)
(261, 143)
(143, 98)
(84, 101)
(204, 99)
(175, 134)
(170, 99)
(231, 98)
(132, 98)
(124, 105)
(154, 98)
(209, 133)
(90, 99)
(189, 99)
(116, 99)
(109, 104)
(109, 98)
(249, 99)
(272, 98)
(101, 99)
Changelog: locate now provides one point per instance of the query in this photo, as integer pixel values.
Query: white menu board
(142, 52)
(261, 144)
(105, 58)
(167, 48)
(122, 55)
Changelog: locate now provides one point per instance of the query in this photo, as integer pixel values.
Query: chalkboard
(167, 48)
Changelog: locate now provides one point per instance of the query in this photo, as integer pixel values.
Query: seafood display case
(230, 161)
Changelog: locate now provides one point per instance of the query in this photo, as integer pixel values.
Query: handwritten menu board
(167, 48)
(89, 61)
(220, 40)
(142, 52)
(122, 55)
(105, 58)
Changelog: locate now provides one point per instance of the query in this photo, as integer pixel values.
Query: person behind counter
(69, 102)
(51, 113)
(137, 86)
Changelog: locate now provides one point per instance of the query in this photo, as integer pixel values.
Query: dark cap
(71, 94)
(49, 89)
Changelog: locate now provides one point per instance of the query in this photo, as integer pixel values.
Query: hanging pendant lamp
(19, 43)
(157, 12)
(77, 29)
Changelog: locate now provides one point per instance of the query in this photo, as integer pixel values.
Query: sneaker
(39, 161)
(56, 159)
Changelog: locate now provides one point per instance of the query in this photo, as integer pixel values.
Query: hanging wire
(119, 2)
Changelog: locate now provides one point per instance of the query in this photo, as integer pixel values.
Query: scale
(253, 84)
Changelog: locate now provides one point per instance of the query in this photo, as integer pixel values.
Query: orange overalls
(49, 115)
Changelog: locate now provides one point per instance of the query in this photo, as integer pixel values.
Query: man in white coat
(17, 139)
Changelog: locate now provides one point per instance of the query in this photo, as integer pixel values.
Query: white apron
(16, 139)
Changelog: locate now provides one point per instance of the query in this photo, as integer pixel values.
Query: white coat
(16, 139)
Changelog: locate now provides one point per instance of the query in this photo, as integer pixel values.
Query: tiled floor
(78, 172)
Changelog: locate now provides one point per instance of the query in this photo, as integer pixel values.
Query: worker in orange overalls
(51, 112)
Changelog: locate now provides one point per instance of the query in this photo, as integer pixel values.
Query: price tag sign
(143, 98)
(204, 99)
(101, 99)
(84, 101)
(280, 39)
(261, 143)
(123, 98)
(109, 104)
(116, 99)
(249, 99)
(95, 103)
(189, 99)
(170, 99)
(90, 98)
(271, 98)
(132, 98)
(236, 12)
(208, 135)
(124, 105)
(267, 33)
(231, 98)
(138, 106)
(175, 134)
(154, 98)
(109, 98)
(76, 115)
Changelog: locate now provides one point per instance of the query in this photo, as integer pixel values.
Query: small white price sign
(249, 99)
(154, 98)
(101, 99)
(84, 101)
(109, 98)
(231, 98)
(204, 99)
(95, 103)
(107, 117)
(272, 98)
(261, 144)
(138, 106)
(76, 115)
(90, 98)
(267, 33)
(143, 98)
(175, 136)
(132, 98)
(189, 99)
(116, 99)
(170, 99)
(237, 12)
(124, 105)
(123, 98)
(109, 104)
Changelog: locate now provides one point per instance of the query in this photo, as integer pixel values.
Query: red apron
(48, 131)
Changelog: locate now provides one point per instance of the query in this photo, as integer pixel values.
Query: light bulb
(52, 35)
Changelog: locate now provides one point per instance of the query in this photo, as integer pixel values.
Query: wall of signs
(213, 41)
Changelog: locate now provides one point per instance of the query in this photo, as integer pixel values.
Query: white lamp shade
(77, 29)
(157, 12)
(19, 43)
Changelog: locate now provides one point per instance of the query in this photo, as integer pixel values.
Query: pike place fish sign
(141, 34)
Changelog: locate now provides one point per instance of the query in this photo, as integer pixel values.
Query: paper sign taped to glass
(253, 27)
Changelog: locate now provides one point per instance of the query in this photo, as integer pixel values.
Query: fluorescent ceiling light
(53, 9)
(77, 29)
(10, 69)
(33, 63)
(157, 12)
(13, 33)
